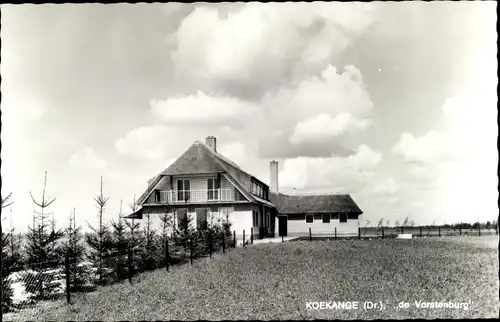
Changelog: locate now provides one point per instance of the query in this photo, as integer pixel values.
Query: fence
(32, 287)
(393, 232)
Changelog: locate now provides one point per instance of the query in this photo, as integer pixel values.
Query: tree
(134, 238)
(406, 221)
(42, 249)
(150, 246)
(120, 245)
(166, 224)
(184, 233)
(387, 223)
(100, 242)
(6, 262)
(488, 225)
(396, 223)
(75, 250)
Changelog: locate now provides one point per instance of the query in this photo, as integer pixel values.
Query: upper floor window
(183, 189)
(259, 190)
(343, 217)
(213, 185)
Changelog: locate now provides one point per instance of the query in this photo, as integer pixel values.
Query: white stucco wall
(300, 227)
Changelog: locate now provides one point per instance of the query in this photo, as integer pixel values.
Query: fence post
(439, 231)
(479, 229)
(310, 234)
(402, 230)
(335, 233)
(460, 229)
(359, 232)
(496, 229)
(420, 231)
(243, 237)
(251, 235)
(68, 286)
(224, 242)
(234, 238)
(382, 231)
(191, 251)
(166, 255)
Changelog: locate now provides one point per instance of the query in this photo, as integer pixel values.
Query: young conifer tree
(166, 227)
(120, 245)
(100, 242)
(150, 244)
(6, 262)
(75, 250)
(42, 249)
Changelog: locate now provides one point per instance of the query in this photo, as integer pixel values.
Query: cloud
(315, 111)
(385, 187)
(234, 151)
(457, 164)
(202, 109)
(334, 173)
(431, 147)
(87, 158)
(323, 126)
(284, 41)
(148, 142)
(468, 133)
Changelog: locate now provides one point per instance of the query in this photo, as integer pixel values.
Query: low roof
(329, 203)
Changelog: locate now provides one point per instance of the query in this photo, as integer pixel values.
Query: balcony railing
(190, 196)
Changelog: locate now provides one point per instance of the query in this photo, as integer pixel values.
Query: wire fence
(392, 232)
(36, 286)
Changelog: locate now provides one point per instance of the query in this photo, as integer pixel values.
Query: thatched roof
(330, 203)
(201, 159)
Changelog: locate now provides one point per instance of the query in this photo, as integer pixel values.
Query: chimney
(211, 141)
(274, 177)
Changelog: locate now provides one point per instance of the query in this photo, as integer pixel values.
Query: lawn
(275, 281)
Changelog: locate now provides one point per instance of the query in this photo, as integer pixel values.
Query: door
(282, 225)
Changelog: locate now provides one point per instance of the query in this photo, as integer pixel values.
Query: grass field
(274, 281)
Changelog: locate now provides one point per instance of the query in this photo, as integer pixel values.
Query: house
(205, 186)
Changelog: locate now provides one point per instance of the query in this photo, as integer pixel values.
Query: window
(343, 217)
(213, 185)
(309, 219)
(183, 187)
(157, 196)
(326, 218)
(255, 218)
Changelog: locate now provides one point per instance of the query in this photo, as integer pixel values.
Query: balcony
(194, 196)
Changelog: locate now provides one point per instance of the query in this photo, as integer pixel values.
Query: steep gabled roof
(196, 160)
(200, 159)
(286, 204)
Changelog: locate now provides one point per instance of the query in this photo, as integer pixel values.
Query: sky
(392, 102)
